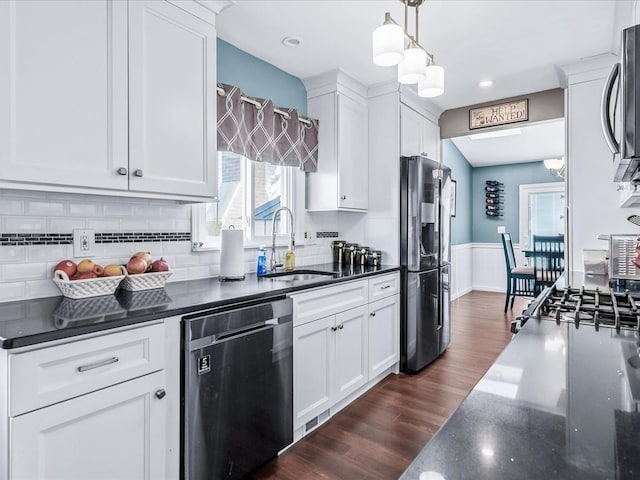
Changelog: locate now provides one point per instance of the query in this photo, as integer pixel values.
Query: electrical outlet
(84, 242)
(502, 229)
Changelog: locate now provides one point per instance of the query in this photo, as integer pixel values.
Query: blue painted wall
(461, 172)
(258, 78)
(485, 229)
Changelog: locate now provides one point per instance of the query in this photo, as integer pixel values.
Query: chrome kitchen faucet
(274, 253)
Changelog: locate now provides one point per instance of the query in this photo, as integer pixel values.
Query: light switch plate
(84, 242)
(502, 229)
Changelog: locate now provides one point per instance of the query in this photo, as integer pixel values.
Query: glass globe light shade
(412, 67)
(433, 84)
(388, 45)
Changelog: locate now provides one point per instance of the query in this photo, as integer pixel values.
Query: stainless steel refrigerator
(426, 193)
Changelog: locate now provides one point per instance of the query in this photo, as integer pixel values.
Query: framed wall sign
(500, 114)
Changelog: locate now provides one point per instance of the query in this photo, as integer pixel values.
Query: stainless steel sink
(298, 276)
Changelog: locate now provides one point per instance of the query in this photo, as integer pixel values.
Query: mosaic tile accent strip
(327, 235)
(10, 239)
(142, 237)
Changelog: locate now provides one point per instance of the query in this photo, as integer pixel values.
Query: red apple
(68, 267)
(84, 276)
(136, 265)
(160, 265)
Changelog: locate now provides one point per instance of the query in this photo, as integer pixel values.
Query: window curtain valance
(253, 128)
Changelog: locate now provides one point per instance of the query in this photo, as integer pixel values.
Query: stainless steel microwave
(621, 109)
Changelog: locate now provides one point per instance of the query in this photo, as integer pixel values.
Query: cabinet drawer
(322, 302)
(383, 286)
(43, 377)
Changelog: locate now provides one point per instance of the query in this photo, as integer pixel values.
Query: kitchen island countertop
(36, 321)
(559, 402)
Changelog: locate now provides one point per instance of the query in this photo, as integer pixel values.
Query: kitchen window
(248, 194)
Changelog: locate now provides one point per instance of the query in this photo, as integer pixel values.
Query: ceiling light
(495, 134)
(485, 83)
(415, 64)
(555, 166)
(388, 43)
(291, 41)
(433, 85)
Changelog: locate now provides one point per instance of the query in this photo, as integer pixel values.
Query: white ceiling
(518, 43)
(537, 142)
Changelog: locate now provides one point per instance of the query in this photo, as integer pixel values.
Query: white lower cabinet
(313, 369)
(384, 334)
(329, 362)
(351, 351)
(118, 432)
(337, 357)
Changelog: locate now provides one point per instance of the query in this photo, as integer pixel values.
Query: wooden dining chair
(520, 280)
(548, 260)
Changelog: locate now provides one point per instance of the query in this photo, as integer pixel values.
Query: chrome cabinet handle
(101, 363)
(343, 197)
(137, 173)
(160, 394)
(333, 329)
(385, 287)
(121, 171)
(373, 314)
(341, 326)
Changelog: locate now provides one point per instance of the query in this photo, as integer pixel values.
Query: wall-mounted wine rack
(494, 198)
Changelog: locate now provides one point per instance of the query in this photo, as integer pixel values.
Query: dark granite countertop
(559, 402)
(30, 322)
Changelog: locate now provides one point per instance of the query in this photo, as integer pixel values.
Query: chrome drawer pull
(99, 364)
(385, 287)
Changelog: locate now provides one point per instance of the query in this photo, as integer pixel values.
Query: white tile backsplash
(12, 291)
(9, 206)
(44, 207)
(23, 224)
(25, 271)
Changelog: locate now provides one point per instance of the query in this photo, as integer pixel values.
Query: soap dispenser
(289, 259)
(262, 261)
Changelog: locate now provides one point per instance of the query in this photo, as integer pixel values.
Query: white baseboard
(486, 288)
(462, 293)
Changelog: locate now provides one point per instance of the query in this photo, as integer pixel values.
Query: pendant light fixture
(392, 45)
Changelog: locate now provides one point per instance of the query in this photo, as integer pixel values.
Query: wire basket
(144, 281)
(89, 287)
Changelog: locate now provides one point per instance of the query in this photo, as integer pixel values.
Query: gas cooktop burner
(582, 317)
(594, 307)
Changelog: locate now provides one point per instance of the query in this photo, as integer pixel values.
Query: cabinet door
(384, 334)
(172, 100)
(63, 92)
(429, 139)
(313, 369)
(353, 154)
(118, 432)
(351, 351)
(410, 131)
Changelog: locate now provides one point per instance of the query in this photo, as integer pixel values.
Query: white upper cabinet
(63, 92)
(108, 97)
(418, 134)
(341, 182)
(172, 96)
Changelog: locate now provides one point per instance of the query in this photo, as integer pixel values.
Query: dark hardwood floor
(378, 435)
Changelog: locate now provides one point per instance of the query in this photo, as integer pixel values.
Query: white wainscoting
(461, 269)
(488, 268)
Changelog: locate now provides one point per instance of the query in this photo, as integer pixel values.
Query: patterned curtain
(262, 135)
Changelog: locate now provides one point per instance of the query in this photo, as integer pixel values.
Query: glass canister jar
(375, 258)
(338, 249)
(362, 254)
(350, 254)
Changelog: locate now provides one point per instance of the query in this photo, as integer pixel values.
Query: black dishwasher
(237, 388)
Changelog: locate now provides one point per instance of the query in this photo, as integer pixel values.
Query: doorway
(542, 211)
